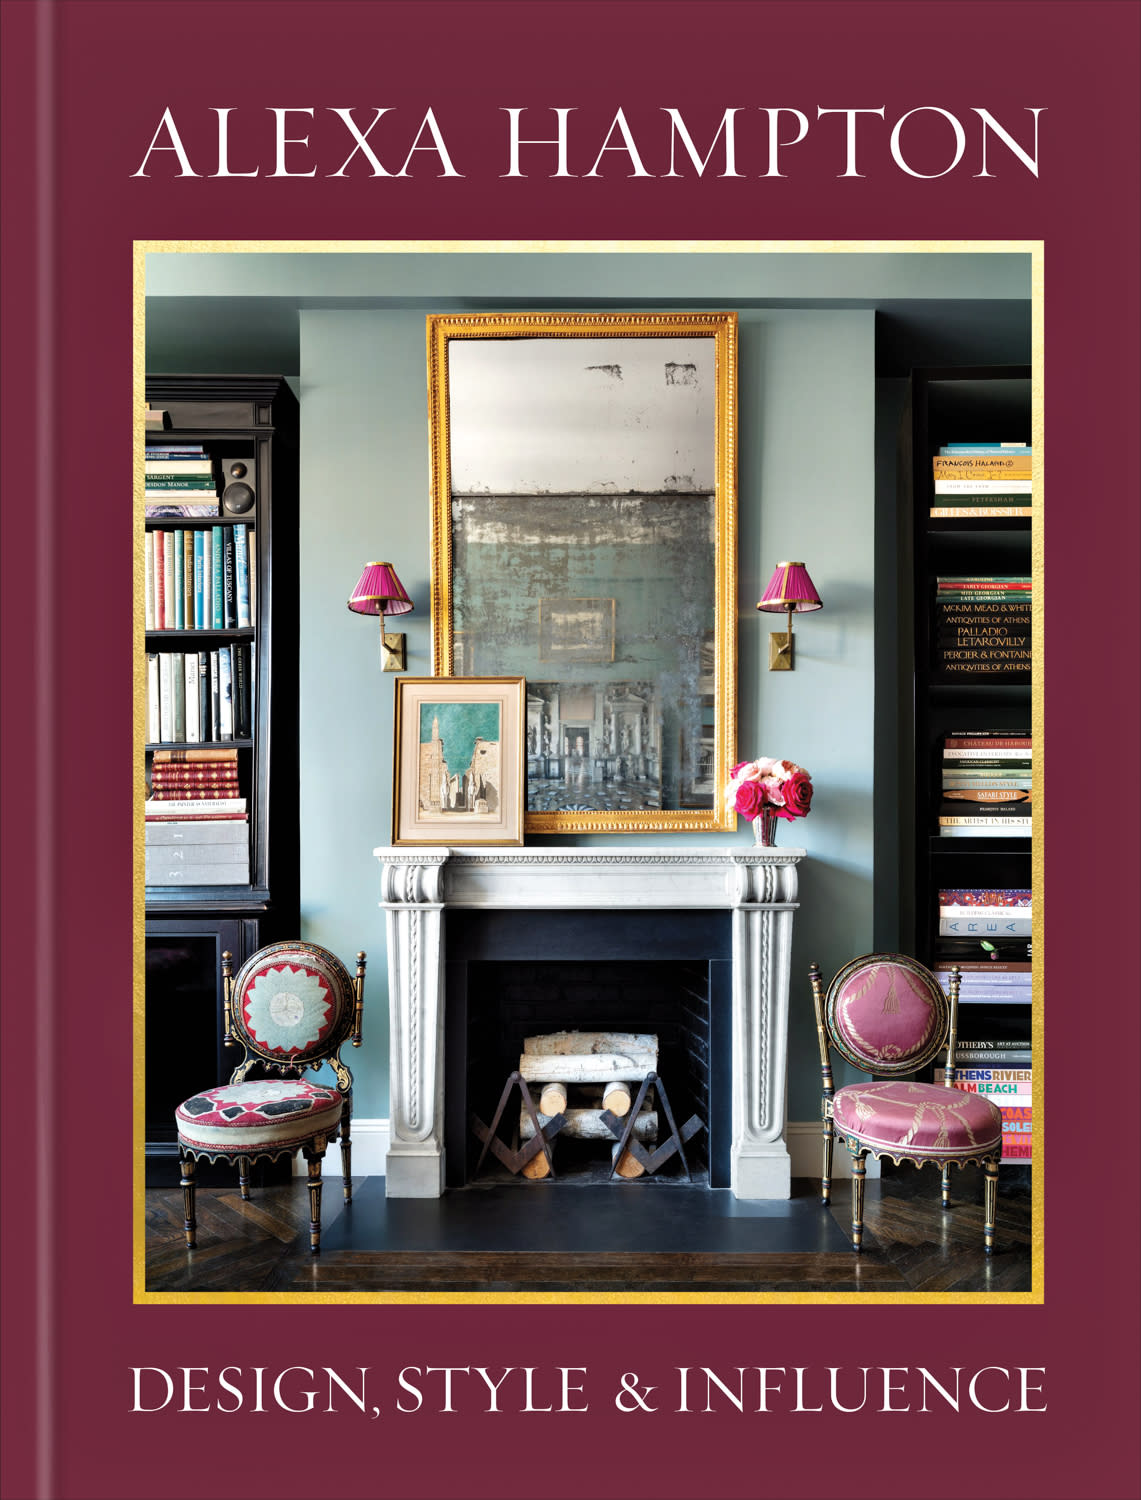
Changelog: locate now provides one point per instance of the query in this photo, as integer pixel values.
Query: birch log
(592, 1041)
(553, 1099)
(628, 1165)
(617, 1097)
(586, 1125)
(589, 1067)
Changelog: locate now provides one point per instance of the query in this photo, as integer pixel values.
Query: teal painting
(459, 725)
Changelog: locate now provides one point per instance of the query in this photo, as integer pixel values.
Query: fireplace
(485, 947)
(510, 975)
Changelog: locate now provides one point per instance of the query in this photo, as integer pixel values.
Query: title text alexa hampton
(926, 141)
(690, 1389)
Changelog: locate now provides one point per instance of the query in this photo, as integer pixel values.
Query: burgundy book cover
(86, 85)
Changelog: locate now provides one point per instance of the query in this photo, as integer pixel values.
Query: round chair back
(292, 1003)
(887, 1014)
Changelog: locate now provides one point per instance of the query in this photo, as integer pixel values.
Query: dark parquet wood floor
(911, 1245)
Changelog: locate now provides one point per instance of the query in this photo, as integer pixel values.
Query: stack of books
(179, 481)
(201, 579)
(197, 827)
(978, 912)
(982, 627)
(982, 479)
(1006, 1076)
(195, 697)
(986, 784)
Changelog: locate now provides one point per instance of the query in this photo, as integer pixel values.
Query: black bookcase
(983, 404)
(254, 420)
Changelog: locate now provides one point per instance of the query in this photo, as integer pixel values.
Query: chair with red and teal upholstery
(291, 1008)
(889, 1016)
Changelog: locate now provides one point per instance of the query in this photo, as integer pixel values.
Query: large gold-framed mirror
(584, 513)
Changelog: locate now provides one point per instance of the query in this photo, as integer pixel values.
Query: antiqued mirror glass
(584, 537)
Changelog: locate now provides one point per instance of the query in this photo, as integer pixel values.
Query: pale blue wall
(806, 488)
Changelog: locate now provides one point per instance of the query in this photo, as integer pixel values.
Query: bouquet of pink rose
(780, 785)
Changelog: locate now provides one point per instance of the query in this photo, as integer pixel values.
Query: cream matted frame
(412, 822)
(443, 332)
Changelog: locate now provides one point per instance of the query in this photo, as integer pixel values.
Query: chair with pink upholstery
(290, 1008)
(890, 1017)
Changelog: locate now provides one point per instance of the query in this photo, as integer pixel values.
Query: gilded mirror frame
(720, 691)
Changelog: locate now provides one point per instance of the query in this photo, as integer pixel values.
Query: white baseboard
(370, 1147)
(805, 1149)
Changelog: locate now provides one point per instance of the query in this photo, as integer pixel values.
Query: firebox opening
(510, 975)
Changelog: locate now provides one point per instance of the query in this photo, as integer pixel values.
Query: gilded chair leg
(859, 1171)
(346, 1157)
(191, 1223)
(313, 1161)
(947, 1184)
(826, 1175)
(244, 1177)
(990, 1205)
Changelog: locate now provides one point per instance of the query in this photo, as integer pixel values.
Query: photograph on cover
(603, 1040)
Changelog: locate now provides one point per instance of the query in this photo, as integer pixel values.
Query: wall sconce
(789, 588)
(380, 592)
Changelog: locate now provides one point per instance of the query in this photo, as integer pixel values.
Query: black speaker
(239, 485)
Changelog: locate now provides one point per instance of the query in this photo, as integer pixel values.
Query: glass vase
(765, 828)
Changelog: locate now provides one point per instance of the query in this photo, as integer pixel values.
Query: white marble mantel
(758, 887)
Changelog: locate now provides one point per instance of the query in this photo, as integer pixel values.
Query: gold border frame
(1035, 249)
(470, 835)
(722, 328)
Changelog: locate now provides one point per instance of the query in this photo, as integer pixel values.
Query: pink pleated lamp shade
(380, 592)
(790, 588)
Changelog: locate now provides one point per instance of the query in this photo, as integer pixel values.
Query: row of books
(197, 824)
(196, 697)
(989, 981)
(205, 579)
(179, 480)
(982, 479)
(982, 626)
(986, 784)
(1009, 1084)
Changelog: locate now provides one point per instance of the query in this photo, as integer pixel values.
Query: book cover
(76, 205)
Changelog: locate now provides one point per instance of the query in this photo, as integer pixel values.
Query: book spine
(218, 621)
(991, 512)
(184, 816)
(148, 582)
(188, 580)
(215, 721)
(226, 692)
(241, 692)
(218, 836)
(986, 740)
(1012, 484)
(154, 543)
(179, 581)
(169, 582)
(166, 873)
(211, 794)
(229, 600)
(978, 753)
(165, 697)
(242, 575)
(178, 484)
(252, 549)
(178, 687)
(205, 728)
(208, 579)
(198, 556)
(948, 448)
(986, 796)
(985, 927)
(190, 677)
(154, 730)
(988, 580)
(984, 466)
(176, 805)
(194, 757)
(175, 466)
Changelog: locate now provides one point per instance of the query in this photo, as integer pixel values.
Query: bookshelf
(252, 421)
(949, 406)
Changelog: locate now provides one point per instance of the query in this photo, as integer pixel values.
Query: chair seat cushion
(918, 1119)
(241, 1117)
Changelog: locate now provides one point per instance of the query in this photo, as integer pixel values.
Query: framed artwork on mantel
(584, 514)
(458, 767)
